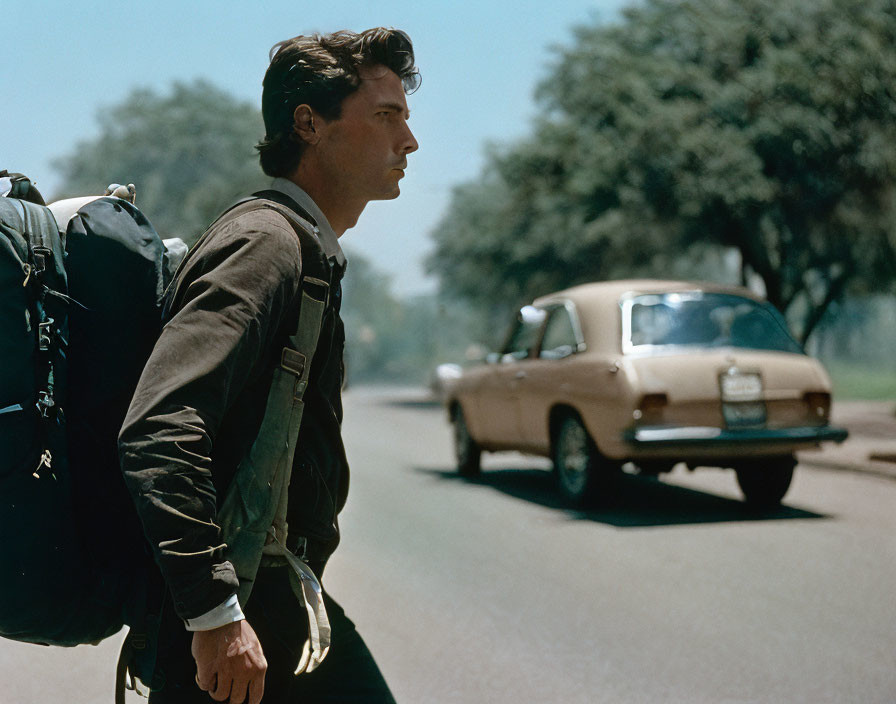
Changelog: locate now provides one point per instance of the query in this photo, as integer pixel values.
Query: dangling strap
(124, 678)
(308, 590)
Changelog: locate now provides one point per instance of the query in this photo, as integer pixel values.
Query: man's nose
(409, 143)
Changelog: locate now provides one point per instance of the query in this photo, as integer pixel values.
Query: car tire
(467, 452)
(764, 482)
(580, 470)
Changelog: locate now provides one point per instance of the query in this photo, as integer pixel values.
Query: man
(335, 116)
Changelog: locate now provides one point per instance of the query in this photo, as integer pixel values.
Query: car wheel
(764, 482)
(466, 450)
(578, 465)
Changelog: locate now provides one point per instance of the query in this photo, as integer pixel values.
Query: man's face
(365, 149)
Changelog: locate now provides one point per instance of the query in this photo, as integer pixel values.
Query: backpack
(81, 286)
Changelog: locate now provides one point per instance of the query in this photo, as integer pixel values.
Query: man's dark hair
(320, 71)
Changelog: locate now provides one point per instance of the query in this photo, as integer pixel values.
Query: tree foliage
(189, 152)
(766, 126)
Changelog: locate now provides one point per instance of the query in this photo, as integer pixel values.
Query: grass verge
(862, 382)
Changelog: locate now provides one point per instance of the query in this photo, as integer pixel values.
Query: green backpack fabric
(80, 307)
(81, 291)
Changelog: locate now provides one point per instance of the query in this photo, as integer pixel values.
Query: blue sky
(480, 64)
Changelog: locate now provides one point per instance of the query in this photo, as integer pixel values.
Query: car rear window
(704, 320)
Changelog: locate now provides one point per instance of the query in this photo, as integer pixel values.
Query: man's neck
(340, 212)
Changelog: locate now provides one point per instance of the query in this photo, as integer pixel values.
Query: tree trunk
(816, 313)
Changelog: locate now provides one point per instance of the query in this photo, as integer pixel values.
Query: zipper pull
(27, 269)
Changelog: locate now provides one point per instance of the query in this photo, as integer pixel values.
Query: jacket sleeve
(228, 310)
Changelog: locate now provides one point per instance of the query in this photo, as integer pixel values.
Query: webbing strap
(302, 345)
(125, 656)
(124, 679)
(304, 583)
(253, 514)
(258, 495)
(308, 590)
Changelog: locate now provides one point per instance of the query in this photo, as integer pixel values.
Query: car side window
(525, 333)
(559, 336)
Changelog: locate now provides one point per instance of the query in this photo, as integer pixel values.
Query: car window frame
(627, 301)
(573, 313)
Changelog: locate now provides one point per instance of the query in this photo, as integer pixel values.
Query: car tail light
(818, 402)
(650, 409)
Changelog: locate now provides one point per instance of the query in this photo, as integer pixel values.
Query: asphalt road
(491, 591)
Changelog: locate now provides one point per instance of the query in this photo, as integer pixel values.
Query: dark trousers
(348, 674)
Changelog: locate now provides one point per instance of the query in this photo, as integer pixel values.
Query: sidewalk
(871, 445)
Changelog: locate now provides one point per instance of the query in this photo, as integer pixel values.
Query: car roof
(603, 290)
(597, 304)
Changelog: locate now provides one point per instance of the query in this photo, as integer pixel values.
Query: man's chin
(390, 195)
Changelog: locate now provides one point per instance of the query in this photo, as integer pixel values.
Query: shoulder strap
(305, 227)
(314, 262)
(253, 514)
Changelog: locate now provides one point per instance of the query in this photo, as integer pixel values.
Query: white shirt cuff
(221, 615)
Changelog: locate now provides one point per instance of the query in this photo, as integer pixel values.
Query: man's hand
(230, 663)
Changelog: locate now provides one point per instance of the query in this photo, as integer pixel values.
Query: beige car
(649, 372)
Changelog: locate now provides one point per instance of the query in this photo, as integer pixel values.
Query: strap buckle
(293, 362)
(45, 334)
(316, 289)
(41, 255)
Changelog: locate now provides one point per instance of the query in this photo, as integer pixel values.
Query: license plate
(743, 414)
(740, 387)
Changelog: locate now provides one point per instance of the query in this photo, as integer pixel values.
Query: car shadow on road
(636, 502)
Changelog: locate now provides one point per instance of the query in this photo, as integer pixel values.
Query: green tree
(767, 126)
(188, 151)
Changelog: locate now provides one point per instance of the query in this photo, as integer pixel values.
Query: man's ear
(303, 124)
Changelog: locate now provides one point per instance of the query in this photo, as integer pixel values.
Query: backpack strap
(253, 514)
(313, 260)
(302, 221)
(33, 239)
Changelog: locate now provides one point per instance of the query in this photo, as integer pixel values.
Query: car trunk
(684, 386)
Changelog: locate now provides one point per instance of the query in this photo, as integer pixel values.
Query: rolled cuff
(226, 612)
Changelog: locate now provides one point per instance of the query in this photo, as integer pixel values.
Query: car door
(498, 397)
(546, 379)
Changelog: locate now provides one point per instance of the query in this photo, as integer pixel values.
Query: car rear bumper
(650, 437)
